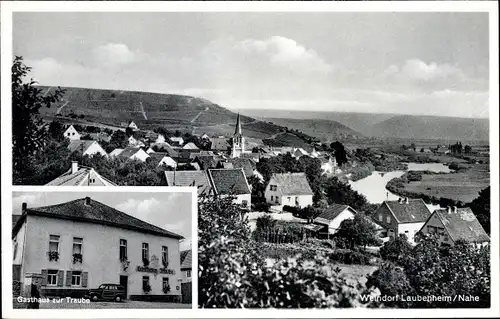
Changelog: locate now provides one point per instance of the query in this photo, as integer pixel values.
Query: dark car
(107, 292)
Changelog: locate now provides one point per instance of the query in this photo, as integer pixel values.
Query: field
(287, 139)
(463, 186)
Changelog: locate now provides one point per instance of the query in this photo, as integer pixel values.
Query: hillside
(432, 127)
(359, 122)
(151, 110)
(323, 129)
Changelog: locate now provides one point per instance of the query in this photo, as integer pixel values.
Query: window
(165, 283)
(276, 200)
(76, 278)
(145, 251)
(289, 198)
(272, 198)
(244, 203)
(14, 253)
(54, 243)
(52, 277)
(77, 245)
(388, 219)
(123, 249)
(188, 273)
(380, 217)
(164, 255)
(274, 187)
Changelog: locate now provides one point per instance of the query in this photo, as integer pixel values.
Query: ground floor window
(165, 284)
(52, 277)
(188, 273)
(145, 284)
(76, 278)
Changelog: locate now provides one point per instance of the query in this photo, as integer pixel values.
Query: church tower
(238, 141)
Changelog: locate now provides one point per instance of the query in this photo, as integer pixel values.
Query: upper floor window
(380, 217)
(274, 187)
(123, 249)
(77, 245)
(54, 243)
(388, 219)
(164, 255)
(145, 251)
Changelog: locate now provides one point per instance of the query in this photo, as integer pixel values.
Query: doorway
(124, 283)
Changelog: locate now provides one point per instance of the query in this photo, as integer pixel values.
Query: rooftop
(186, 259)
(413, 211)
(291, 183)
(462, 224)
(92, 211)
(229, 181)
(189, 178)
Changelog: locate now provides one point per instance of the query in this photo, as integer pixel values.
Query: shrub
(349, 257)
(396, 249)
(391, 281)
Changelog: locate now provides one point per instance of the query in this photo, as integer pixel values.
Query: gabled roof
(190, 146)
(291, 183)
(98, 213)
(462, 224)
(78, 178)
(415, 211)
(244, 163)
(165, 147)
(330, 213)
(207, 161)
(189, 178)
(129, 151)
(80, 145)
(186, 259)
(221, 144)
(157, 157)
(229, 181)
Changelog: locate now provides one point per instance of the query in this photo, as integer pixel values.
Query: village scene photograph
(101, 250)
(340, 159)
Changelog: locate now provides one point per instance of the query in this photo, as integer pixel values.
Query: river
(373, 186)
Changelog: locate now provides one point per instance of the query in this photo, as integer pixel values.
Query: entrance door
(124, 283)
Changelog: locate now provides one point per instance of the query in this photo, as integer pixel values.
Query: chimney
(87, 201)
(400, 200)
(406, 200)
(449, 209)
(74, 167)
(24, 206)
(454, 209)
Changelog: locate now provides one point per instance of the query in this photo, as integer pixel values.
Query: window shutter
(68, 278)
(60, 278)
(44, 277)
(85, 278)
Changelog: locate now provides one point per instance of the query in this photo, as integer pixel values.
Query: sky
(170, 211)
(404, 63)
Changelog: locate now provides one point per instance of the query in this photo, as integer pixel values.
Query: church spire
(238, 125)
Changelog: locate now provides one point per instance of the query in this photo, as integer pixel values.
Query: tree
(396, 249)
(413, 147)
(481, 208)
(339, 192)
(129, 131)
(467, 149)
(119, 139)
(56, 130)
(340, 152)
(391, 280)
(358, 231)
(29, 132)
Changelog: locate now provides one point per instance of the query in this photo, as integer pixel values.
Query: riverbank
(455, 189)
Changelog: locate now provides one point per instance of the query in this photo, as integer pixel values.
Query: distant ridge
(432, 127)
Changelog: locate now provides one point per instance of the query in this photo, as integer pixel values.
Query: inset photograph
(81, 249)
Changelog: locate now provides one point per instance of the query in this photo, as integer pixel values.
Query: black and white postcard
(235, 159)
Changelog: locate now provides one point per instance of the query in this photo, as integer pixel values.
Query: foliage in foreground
(233, 273)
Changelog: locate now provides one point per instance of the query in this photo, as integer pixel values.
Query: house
(71, 133)
(205, 137)
(150, 150)
(329, 165)
(197, 179)
(290, 189)
(299, 152)
(132, 141)
(163, 159)
(247, 165)
(160, 139)
(190, 146)
(133, 126)
(80, 176)
(177, 141)
(78, 245)
(404, 216)
(220, 144)
(186, 265)
(206, 161)
(452, 223)
(333, 216)
(89, 148)
(238, 140)
(232, 182)
(134, 153)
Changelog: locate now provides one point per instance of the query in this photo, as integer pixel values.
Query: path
(198, 115)
(142, 110)
(61, 107)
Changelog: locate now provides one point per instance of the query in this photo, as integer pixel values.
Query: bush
(396, 249)
(349, 257)
(391, 281)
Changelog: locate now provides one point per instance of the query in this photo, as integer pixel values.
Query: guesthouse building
(79, 245)
(290, 189)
